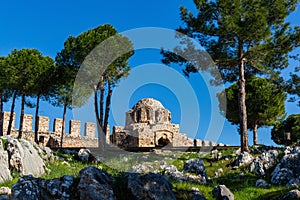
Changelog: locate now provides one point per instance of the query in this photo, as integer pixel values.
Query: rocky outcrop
(293, 194)
(287, 169)
(293, 183)
(196, 166)
(261, 183)
(84, 155)
(221, 192)
(29, 187)
(95, 184)
(22, 156)
(150, 186)
(264, 162)
(195, 194)
(243, 159)
(4, 164)
(194, 170)
(5, 190)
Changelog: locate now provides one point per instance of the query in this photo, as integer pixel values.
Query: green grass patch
(4, 143)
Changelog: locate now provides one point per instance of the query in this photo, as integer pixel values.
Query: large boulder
(293, 183)
(24, 157)
(264, 162)
(196, 166)
(84, 155)
(287, 169)
(243, 159)
(30, 188)
(261, 183)
(95, 184)
(293, 194)
(195, 194)
(221, 192)
(150, 186)
(4, 164)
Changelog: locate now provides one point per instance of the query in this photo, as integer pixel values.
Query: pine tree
(265, 102)
(243, 37)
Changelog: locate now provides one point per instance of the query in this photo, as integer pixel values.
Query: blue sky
(45, 25)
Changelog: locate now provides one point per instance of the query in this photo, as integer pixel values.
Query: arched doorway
(163, 141)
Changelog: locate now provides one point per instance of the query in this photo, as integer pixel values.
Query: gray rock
(293, 194)
(243, 159)
(28, 188)
(4, 197)
(196, 166)
(4, 165)
(84, 154)
(264, 162)
(261, 183)
(221, 192)
(287, 150)
(296, 149)
(151, 186)
(5, 190)
(195, 194)
(95, 184)
(282, 176)
(218, 172)
(142, 168)
(24, 157)
(293, 183)
(45, 152)
(287, 169)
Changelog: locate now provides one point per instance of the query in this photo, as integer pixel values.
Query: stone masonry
(148, 124)
(6, 117)
(43, 124)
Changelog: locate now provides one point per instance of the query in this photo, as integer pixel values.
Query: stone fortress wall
(52, 138)
(148, 124)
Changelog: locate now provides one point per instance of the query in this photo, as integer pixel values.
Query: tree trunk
(63, 125)
(22, 115)
(1, 113)
(36, 120)
(101, 102)
(107, 109)
(255, 135)
(242, 102)
(11, 117)
(96, 104)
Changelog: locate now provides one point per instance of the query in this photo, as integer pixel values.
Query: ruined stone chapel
(148, 124)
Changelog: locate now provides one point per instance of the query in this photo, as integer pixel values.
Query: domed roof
(148, 102)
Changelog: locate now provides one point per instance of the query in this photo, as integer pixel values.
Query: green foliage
(26, 66)
(293, 86)
(4, 142)
(244, 38)
(290, 125)
(265, 103)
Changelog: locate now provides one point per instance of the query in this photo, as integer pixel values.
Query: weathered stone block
(198, 143)
(57, 125)
(75, 128)
(205, 143)
(43, 124)
(90, 129)
(108, 135)
(6, 117)
(27, 123)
